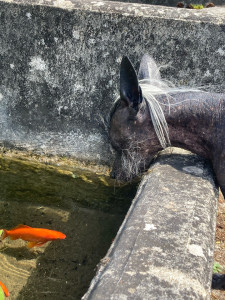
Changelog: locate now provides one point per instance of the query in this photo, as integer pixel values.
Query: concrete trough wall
(59, 66)
(164, 249)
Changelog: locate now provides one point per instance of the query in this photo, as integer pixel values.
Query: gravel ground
(219, 254)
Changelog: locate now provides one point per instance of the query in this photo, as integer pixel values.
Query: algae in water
(59, 195)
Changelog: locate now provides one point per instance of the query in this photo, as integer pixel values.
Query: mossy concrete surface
(59, 66)
(164, 248)
(61, 182)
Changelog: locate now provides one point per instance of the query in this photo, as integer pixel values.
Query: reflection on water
(59, 198)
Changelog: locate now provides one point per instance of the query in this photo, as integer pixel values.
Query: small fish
(35, 237)
(4, 288)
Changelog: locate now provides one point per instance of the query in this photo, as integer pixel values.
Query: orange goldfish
(35, 237)
(4, 288)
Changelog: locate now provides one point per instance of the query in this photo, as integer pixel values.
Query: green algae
(197, 6)
(62, 182)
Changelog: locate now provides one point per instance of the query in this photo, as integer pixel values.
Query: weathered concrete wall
(164, 249)
(59, 65)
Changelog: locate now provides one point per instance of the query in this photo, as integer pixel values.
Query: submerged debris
(210, 5)
(180, 4)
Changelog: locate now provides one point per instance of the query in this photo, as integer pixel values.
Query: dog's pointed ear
(130, 91)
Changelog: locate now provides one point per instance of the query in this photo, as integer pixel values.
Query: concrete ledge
(59, 66)
(164, 249)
